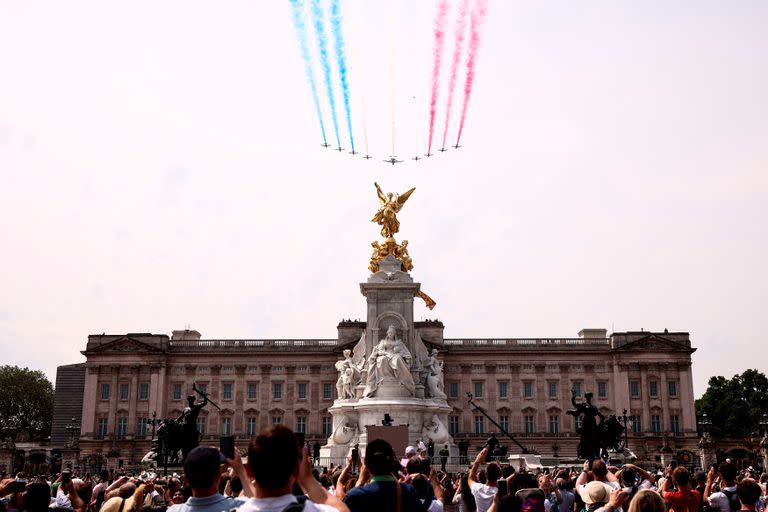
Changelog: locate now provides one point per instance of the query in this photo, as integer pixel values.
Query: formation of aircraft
(392, 159)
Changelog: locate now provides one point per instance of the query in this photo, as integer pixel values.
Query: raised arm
(237, 465)
(476, 466)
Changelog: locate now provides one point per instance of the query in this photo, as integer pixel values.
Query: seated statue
(389, 359)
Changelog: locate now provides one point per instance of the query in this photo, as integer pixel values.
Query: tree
(734, 406)
(26, 402)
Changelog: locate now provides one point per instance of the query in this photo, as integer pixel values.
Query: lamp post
(764, 424)
(704, 425)
(72, 429)
(706, 445)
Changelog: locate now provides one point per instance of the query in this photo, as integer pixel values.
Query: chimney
(186, 334)
(593, 333)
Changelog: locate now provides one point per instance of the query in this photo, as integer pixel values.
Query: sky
(161, 168)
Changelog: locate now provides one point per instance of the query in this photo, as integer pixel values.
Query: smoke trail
(338, 45)
(322, 45)
(475, 20)
(442, 11)
(359, 76)
(461, 24)
(297, 7)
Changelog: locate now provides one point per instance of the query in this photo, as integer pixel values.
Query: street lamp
(72, 429)
(705, 424)
(764, 424)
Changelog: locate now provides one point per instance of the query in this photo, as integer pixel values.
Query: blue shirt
(213, 503)
(382, 497)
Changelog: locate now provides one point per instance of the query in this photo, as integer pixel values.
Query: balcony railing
(524, 342)
(235, 345)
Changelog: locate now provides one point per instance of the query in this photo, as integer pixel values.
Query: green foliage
(734, 406)
(26, 402)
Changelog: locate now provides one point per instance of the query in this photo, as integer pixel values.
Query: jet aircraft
(325, 145)
(417, 158)
(339, 149)
(367, 157)
(442, 150)
(393, 160)
(353, 152)
(456, 146)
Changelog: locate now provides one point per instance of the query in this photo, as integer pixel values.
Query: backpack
(733, 500)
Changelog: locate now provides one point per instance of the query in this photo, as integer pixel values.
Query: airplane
(367, 157)
(442, 150)
(416, 158)
(393, 160)
(339, 149)
(456, 146)
(428, 154)
(353, 152)
(325, 145)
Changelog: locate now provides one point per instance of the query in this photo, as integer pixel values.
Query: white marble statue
(434, 383)
(346, 433)
(389, 359)
(435, 430)
(351, 368)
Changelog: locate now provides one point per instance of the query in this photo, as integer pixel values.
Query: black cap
(201, 464)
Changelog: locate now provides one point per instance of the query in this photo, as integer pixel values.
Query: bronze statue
(391, 204)
(187, 421)
(596, 438)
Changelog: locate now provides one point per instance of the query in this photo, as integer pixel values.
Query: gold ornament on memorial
(386, 217)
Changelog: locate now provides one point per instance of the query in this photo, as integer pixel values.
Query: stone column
(90, 398)
(114, 396)
(133, 396)
(687, 408)
(644, 398)
(7, 452)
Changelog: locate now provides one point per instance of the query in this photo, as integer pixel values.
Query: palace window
(250, 426)
(124, 391)
(301, 424)
(203, 388)
(655, 423)
(141, 428)
(653, 388)
(277, 390)
(636, 424)
(504, 422)
(554, 424)
(326, 423)
(105, 391)
(453, 390)
(503, 389)
(577, 388)
(552, 390)
(602, 389)
(528, 424)
(177, 391)
(527, 389)
(453, 425)
(253, 391)
(101, 430)
(122, 427)
(479, 425)
(226, 392)
(634, 388)
(674, 423)
(277, 420)
(226, 426)
(201, 424)
(302, 390)
(327, 391)
(672, 388)
(478, 390)
(144, 391)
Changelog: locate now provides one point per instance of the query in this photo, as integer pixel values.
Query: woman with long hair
(463, 499)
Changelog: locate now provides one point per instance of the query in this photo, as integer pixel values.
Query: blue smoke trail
(301, 32)
(338, 40)
(322, 45)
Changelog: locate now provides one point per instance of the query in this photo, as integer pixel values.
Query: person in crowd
(277, 462)
(444, 453)
(647, 500)
(567, 498)
(383, 493)
(431, 499)
(599, 496)
(724, 500)
(598, 471)
(748, 491)
(484, 492)
(463, 498)
(685, 498)
(202, 471)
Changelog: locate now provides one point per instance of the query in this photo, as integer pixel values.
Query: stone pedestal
(70, 457)
(390, 293)
(707, 452)
(6, 459)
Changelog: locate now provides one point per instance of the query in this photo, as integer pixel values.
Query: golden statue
(386, 217)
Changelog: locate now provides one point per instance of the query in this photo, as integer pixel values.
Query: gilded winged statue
(391, 203)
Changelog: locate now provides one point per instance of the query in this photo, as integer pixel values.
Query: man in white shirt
(484, 493)
(725, 500)
(277, 462)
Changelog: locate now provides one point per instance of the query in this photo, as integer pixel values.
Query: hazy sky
(160, 167)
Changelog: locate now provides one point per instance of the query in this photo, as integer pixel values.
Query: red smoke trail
(461, 24)
(442, 11)
(476, 20)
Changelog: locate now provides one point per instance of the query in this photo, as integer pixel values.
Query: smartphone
(227, 446)
(502, 484)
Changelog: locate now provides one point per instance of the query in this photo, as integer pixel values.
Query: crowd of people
(279, 477)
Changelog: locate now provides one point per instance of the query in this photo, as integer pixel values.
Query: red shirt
(683, 501)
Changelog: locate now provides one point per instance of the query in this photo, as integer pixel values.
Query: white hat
(410, 451)
(595, 492)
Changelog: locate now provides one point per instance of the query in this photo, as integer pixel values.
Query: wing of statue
(358, 353)
(403, 198)
(381, 195)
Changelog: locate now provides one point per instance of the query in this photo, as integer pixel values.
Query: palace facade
(525, 384)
